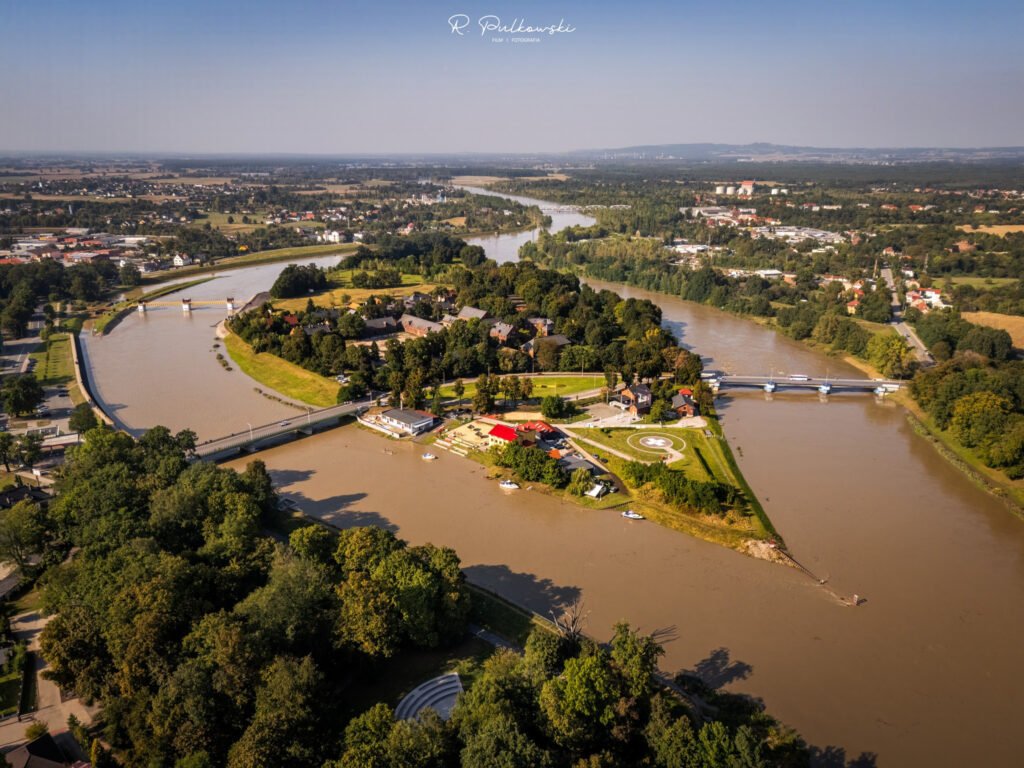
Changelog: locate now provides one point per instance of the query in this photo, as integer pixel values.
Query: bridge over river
(823, 385)
(265, 435)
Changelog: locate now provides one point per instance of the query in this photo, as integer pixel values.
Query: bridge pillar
(142, 307)
(230, 304)
(186, 305)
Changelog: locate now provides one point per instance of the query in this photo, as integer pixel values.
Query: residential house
(407, 420)
(851, 306)
(417, 326)
(380, 326)
(502, 332)
(638, 397)
(472, 313)
(571, 463)
(181, 260)
(542, 325)
(12, 496)
(558, 340)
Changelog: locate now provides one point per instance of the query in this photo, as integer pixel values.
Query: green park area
(543, 385)
(281, 376)
(343, 293)
(55, 365)
(699, 458)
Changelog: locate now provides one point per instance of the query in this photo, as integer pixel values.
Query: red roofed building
(501, 434)
(540, 427)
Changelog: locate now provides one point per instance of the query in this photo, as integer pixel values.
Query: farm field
(1012, 324)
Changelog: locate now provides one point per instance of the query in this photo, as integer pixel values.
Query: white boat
(508, 485)
(629, 514)
(428, 457)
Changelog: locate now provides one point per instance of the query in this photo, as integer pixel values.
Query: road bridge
(257, 438)
(823, 385)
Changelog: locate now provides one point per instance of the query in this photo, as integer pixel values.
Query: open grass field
(1012, 324)
(702, 459)
(53, 360)
(219, 221)
(563, 386)
(341, 287)
(984, 282)
(249, 259)
(281, 376)
(993, 229)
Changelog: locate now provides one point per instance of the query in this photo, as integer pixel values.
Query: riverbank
(252, 260)
(283, 377)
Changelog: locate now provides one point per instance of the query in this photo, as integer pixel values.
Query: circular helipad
(657, 443)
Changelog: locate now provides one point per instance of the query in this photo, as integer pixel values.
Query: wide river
(926, 672)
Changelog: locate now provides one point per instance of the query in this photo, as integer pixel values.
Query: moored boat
(629, 514)
(508, 485)
(428, 457)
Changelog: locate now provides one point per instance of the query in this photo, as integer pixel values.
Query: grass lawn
(220, 222)
(258, 257)
(30, 601)
(502, 617)
(687, 441)
(340, 281)
(983, 282)
(10, 687)
(283, 377)
(542, 386)
(54, 365)
(993, 229)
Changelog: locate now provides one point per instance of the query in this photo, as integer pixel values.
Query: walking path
(49, 707)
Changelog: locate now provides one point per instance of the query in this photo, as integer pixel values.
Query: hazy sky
(341, 76)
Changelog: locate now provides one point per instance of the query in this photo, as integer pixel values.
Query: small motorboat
(428, 457)
(508, 485)
(629, 514)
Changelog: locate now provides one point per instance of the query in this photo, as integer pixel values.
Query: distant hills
(764, 152)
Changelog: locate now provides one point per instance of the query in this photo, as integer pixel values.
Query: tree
(459, 388)
(554, 407)
(7, 449)
(580, 703)
(129, 275)
(30, 448)
(979, 416)
(21, 394)
(83, 418)
(580, 482)
(21, 533)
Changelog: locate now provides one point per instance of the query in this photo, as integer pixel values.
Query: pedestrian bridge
(257, 438)
(823, 385)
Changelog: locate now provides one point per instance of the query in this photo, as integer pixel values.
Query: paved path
(49, 709)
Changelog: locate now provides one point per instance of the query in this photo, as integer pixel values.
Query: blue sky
(353, 76)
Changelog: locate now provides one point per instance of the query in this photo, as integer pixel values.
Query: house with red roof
(502, 434)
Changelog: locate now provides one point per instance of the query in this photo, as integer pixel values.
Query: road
(904, 330)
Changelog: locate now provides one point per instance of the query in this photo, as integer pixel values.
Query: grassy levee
(755, 505)
(105, 323)
(498, 615)
(251, 259)
(281, 376)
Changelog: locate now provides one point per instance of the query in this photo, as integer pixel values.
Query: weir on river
(926, 672)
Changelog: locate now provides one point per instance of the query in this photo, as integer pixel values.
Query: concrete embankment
(82, 378)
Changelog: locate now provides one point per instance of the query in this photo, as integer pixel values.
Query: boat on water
(508, 485)
(629, 514)
(428, 457)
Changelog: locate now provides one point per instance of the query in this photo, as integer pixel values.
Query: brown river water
(926, 671)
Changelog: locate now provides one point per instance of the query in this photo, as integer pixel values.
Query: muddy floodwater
(926, 672)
